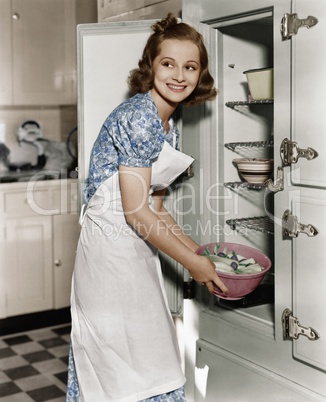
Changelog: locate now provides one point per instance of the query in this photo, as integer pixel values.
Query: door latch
(290, 24)
(292, 227)
(292, 329)
(290, 152)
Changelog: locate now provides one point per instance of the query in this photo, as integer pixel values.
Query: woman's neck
(164, 108)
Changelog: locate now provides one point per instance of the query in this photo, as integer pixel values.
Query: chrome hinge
(292, 227)
(278, 185)
(189, 287)
(292, 328)
(290, 152)
(290, 24)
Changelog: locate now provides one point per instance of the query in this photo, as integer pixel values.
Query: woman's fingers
(218, 282)
(210, 287)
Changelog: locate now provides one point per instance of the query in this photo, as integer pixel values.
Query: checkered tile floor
(33, 365)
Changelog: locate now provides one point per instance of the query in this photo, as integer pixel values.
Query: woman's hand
(204, 272)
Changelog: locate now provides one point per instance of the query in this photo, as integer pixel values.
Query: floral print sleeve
(140, 138)
(132, 135)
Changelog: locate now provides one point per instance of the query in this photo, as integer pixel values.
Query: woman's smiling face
(176, 71)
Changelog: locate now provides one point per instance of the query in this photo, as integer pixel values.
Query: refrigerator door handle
(290, 152)
(292, 227)
(292, 327)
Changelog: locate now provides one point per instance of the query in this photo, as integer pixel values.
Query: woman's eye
(167, 64)
(191, 68)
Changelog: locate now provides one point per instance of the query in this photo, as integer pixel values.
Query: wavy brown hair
(141, 79)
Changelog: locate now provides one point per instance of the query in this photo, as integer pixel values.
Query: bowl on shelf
(239, 285)
(260, 83)
(254, 170)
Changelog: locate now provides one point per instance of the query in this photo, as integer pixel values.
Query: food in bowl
(233, 262)
(243, 267)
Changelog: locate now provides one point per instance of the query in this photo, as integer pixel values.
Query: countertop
(35, 175)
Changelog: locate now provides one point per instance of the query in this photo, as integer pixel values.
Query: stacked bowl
(254, 170)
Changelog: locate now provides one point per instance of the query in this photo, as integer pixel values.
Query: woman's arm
(134, 185)
(163, 214)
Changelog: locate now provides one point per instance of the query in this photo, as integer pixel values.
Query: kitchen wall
(56, 121)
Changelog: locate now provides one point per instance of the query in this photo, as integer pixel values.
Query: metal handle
(16, 16)
(290, 24)
(290, 152)
(278, 185)
(292, 328)
(58, 262)
(292, 227)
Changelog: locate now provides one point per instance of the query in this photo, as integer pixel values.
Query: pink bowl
(239, 285)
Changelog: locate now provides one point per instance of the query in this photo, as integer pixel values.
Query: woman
(123, 337)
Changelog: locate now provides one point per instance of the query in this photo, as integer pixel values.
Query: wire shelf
(233, 104)
(238, 185)
(258, 223)
(249, 144)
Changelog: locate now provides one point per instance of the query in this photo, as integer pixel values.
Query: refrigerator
(271, 345)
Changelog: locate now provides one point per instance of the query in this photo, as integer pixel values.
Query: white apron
(123, 336)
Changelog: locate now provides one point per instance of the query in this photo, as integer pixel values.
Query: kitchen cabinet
(124, 10)
(28, 265)
(38, 242)
(246, 353)
(65, 235)
(38, 50)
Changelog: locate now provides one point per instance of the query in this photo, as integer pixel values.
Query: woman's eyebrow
(171, 58)
(167, 57)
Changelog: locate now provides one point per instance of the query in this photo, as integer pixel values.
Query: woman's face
(176, 71)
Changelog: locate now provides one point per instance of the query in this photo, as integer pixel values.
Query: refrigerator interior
(245, 130)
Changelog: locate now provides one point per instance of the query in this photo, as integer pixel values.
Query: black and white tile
(33, 365)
